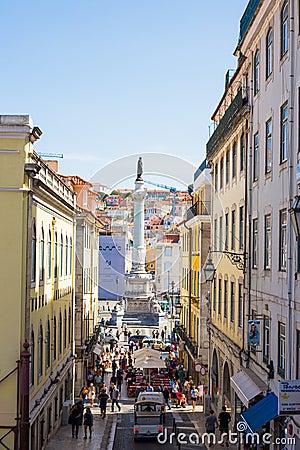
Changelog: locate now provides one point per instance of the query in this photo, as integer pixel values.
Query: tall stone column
(139, 250)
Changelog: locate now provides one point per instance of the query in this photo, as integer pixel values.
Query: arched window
(226, 385)
(40, 352)
(70, 259)
(33, 254)
(54, 338)
(269, 53)
(65, 329)
(284, 29)
(60, 334)
(42, 255)
(48, 337)
(32, 359)
(215, 378)
(61, 255)
(67, 250)
(256, 72)
(55, 255)
(69, 325)
(49, 254)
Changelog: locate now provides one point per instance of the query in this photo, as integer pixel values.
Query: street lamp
(237, 259)
(295, 215)
(209, 270)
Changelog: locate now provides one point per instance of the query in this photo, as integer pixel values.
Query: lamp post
(172, 310)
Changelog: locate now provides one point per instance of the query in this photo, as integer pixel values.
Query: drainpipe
(290, 235)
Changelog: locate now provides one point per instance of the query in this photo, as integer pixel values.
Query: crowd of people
(114, 371)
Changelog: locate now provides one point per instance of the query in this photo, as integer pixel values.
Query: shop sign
(289, 397)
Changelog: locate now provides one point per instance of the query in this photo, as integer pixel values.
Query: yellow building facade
(226, 153)
(37, 285)
(195, 237)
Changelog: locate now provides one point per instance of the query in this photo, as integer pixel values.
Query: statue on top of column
(139, 169)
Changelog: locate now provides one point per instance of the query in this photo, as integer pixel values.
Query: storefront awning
(247, 385)
(261, 413)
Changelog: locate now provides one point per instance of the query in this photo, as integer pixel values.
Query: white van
(148, 417)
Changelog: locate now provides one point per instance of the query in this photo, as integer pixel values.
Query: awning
(261, 413)
(247, 385)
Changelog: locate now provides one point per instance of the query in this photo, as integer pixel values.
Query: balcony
(248, 17)
(198, 209)
(191, 345)
(230, 119)
(93, 339)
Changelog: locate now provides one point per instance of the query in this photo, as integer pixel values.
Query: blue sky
(108, 78)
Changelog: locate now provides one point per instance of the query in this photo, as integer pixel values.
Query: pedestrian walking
(84, 393)
(92, 394)
(224, 419)
(75, 417)
(88, 422)
(115, 395)
(98, 383)
(119, 379)
(211, 424)
(103, 399)
(166, 394)
(194, 395)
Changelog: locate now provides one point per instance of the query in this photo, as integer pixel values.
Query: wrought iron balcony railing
(191, 345)
(197, 209)
(228, 121)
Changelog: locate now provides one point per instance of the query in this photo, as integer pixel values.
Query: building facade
(37, 282)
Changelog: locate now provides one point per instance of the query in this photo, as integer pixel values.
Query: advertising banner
(289, 397)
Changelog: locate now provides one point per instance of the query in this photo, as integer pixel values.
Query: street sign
(289, 397)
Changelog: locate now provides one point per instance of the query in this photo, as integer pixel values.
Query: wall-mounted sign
(254, 332)
(289, 397)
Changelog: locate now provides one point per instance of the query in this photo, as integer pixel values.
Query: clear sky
(108, 78)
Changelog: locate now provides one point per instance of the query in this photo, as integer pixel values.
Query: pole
(24, 428)
(172, 310)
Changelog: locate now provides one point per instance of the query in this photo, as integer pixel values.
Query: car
(157, 344)
(138, 337)
(108, 338)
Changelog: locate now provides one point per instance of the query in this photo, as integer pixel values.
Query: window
(267, 249)
(215, 295)
(49, 254)
(48, 344)
(61, 255)
(255, 157)
(242, 152)
(227, 167)
(65, 329)
(268, 165)
(226, 231)
(33, 254)
(241, 228)
(240, 306)
(284, 29)
(225, 297)
(168, 251)
(221, 172)
(298, 355)
(54, 338)
(67, 255)
(282, 239)
(55, 255)
(69, 326)
(215, 233)
(232, 230)
(255, 244)
(220, 296)
(221, 233)
(234, 160)
(284, 133)
(40, 352)
(216, 176)
(71, 256)
(232, 295)
(32, 359)
(42, 256)
(269, 53)
(266, 340)
(256, 72)
(281, 349)
(60, 334)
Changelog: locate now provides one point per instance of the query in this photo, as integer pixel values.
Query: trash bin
(65, 412)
